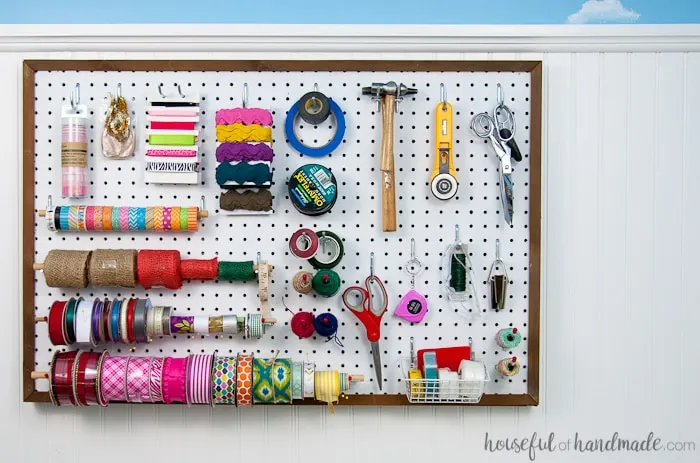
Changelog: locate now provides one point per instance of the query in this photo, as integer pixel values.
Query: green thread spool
(326, 283)
(237, 271)
(458, 272)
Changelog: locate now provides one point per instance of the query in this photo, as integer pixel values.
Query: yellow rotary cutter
(443, 180)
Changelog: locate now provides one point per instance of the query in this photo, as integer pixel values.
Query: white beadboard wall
(620, 253)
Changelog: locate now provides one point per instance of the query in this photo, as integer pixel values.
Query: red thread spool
(156, 268)
(193, 269)
(303, 324)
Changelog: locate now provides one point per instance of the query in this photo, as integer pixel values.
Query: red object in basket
(447, 357)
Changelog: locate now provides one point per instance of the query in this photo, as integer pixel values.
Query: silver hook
(119, 90)
(179, 90)
(413, 249)
(499, 95)
(471, 351)
(49, 203)
(259, 258)
(443, 97)
(498, 249)
(371, 265)
(315, 87)
(412, 353)
(75, 97)
(245, 95)
(160, 91)
(201, 203)
(457, 234)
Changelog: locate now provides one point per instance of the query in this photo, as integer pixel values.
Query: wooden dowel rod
(41, 319)
(356, 378)
(42, 213)
(39, 375)
(271, 321)
(203, 213)
(38, 266)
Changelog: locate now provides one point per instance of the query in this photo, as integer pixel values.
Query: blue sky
(352, 11)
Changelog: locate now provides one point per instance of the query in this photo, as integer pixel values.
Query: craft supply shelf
(356, 217)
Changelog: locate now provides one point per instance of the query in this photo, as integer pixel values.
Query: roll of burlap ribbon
(113, 267)
(66, 269)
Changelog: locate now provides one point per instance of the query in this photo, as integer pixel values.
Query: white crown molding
(348, 38)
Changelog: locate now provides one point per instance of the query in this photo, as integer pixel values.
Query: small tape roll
(320, 151)
(309, 378)
(297, 380)
(415, 377)
(304, 243)
(230, 324)
(314, 108)
(448, 384)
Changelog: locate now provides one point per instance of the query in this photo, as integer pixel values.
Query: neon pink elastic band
(166, 113)
(172, 153)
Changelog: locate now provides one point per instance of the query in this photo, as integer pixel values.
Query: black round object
(313, 189)
(325, 263)
(57, 218)
(314, 108)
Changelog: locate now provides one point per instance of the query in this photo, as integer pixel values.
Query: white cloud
(603, 11)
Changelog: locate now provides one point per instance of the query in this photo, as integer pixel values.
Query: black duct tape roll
(313, 189)
(314, 108)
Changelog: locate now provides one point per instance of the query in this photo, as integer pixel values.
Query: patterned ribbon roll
(138, 388)
(181, 325)
(113, 379)
(309, 380)
(86, 378)
(263, 389)
(124, 219)
(155, 380)
(327, 387)
(199, 379)
(282, 381)
(243, 133)
(297, 380)
(74, 157)
(244, 380)
(174, 380)
(246, 116)
(223, 381)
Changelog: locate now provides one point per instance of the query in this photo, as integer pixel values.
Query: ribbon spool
(333, 143)
(328, 256)
(304, 243)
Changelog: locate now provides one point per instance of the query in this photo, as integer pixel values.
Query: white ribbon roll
(201, 324)
(309, 377)
(448, 384)
(83, 324)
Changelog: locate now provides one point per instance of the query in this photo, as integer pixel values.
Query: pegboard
(356, 217)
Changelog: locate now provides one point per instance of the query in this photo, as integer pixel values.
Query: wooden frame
(30, 68)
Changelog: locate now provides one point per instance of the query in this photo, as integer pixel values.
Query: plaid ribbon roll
(113, 379)
(138, 388)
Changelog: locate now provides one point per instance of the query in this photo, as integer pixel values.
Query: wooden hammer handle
(386, 165)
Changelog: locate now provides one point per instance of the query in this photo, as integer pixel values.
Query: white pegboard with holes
(356, 216)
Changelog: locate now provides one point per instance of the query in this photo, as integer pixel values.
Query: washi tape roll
(330, 250)
(448, 384)
(303, 243)
(223, 381)
(244, 380)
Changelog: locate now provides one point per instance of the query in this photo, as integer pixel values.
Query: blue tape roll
(141, 218)
(321, 150)
(64, 218)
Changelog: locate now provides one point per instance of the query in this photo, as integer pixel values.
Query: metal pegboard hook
(179, 91)
(245, 95)
(119, 90)
(457, 241)
(371, 265)
(498, 249)
(443, 97)
(160, 91)
(75, 97)
(49, 203)
(201, 204)
(499, 95)
(315, 87)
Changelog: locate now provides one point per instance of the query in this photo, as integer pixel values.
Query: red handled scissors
(371, 303)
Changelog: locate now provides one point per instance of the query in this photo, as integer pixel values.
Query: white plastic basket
(443, 391)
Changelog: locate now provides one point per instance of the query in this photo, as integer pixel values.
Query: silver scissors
(486, 126)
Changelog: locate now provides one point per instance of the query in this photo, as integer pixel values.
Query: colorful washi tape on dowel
(123, 218)
(135, 321)
(78, 378)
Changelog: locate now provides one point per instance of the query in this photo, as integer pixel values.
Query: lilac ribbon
(181, 325)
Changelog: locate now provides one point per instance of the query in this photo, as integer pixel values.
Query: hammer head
(388, 88)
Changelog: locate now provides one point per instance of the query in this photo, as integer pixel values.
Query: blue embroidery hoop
(315, 152)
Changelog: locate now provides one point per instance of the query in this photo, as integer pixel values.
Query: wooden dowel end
(203, 214)
(39, 375)
(38, 266)
(356, 378)
(42, 213)
(270, 321)
(41, 319)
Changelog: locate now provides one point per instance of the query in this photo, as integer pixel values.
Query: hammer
(387, 96)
